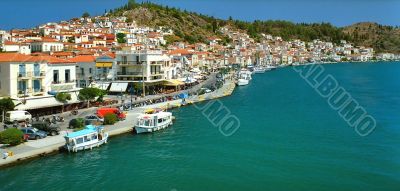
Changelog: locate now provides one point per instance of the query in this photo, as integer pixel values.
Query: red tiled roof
(83, 58)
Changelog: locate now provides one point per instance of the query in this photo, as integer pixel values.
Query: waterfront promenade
(42, 147)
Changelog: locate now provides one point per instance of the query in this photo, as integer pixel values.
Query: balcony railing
(131, 63)
(40, 74)
(129, 73)
(63, 82)
(24, 74)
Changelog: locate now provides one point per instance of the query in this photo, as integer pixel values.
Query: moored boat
(259, 70)
(150, 122)
(244, 78)
(91, 136)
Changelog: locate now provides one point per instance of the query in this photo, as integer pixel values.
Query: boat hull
(140, 130)
(242, 82)
(88, 146)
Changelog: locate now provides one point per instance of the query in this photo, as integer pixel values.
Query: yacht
(91, 136)
(150, 122)
(244, 77)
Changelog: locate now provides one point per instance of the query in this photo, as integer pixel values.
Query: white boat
(148, 123)
(244, 78)
(271, 67)
(91, 136)
(259, 70)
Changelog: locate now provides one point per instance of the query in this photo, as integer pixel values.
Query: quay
(53, 144)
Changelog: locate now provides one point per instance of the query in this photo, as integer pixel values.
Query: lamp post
(131, 91)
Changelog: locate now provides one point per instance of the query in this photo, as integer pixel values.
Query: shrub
(78, 123)
(12, 136)
(110, 119)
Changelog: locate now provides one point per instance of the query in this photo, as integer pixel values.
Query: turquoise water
(289, 139)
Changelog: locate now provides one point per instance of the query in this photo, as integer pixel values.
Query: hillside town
(117, 55)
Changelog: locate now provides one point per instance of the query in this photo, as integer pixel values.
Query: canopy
(88, 130)
(173, 83)
(100, 85)
(42, 102)
(183, 95)
(118, 86)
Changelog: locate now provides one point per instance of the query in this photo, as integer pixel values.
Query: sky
(30, 13)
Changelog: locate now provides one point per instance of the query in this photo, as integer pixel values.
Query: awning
(173, 83)
(104, 64)
(118, 86)
(43, 102)
(187, 80)
(101, 85)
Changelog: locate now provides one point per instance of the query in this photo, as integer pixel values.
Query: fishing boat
(271, 67)
(91, 136)
(150, 122)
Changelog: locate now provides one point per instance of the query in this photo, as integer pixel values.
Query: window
(79, 140)
(36, 69)
(55, 76)
(67, 75)
(82, 71)
(90, 70)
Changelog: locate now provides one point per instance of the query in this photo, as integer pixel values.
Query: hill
(381, 38)
(194, 27)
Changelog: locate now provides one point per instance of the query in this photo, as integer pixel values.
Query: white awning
(42, 102)
(100, 85)
(118, 86)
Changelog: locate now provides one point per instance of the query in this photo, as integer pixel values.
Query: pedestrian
(5, 154)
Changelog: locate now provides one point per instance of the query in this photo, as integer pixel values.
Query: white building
(47, 45)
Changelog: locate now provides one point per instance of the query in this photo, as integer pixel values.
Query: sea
(285, 136)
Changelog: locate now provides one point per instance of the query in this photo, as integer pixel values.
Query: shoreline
(123, 127)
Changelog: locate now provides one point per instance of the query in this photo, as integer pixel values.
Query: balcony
(40, 74)
(62, 85)
(24, 75)
(40, 91)
(131, 63)
(129, 73)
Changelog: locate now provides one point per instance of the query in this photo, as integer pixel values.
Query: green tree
(85, 15)
(110, 119)
(121, 38)
(89, 94)
(63, 98)
(6, 104)
(12, 136)
(131, 4)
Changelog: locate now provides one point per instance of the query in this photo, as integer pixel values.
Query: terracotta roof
(53, 60)
(16, 57)
(10, 43)
(83, 58)
(180, 51)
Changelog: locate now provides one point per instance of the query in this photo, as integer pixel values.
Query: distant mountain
(194, 27)
(381, 38)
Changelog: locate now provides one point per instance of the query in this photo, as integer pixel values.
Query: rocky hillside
(381, 38)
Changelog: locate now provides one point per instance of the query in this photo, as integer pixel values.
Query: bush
(78, 123)
(110, 119)
(12, 136)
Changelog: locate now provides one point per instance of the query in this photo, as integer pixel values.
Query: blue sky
(29, 13)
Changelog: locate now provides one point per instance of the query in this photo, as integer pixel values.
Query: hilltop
(380, 37)
(194, 27)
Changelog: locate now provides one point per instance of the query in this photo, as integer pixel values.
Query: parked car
(50, 129)
(101, 112)
(17, 116)
(34, 133)
(92, 119)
